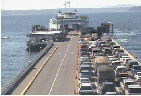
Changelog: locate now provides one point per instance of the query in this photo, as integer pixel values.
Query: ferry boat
(59, 26)
(69, 21)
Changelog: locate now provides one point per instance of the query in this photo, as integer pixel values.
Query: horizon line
(64, 8)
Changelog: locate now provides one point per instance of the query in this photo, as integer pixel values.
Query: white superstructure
(68, 21)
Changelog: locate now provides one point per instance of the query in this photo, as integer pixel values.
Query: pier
(54, 74)
(70, 62)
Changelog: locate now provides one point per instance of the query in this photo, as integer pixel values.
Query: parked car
(133, 90)
(125, 83)
(85, 89)
(84, 80)
(137, 76)
(135, 68)
(121, 71)
(85, 74)
(107, 87)
(115, 64)
(131, 63)
(84, 53)
(85, 67)
(84, 59)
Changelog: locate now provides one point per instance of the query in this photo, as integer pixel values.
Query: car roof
(116, 61)
(133, 61)
(107, 83)
(84, 57)
(134, 86)
(121, 67)
(84, 65)
(85, 84)
(84, 78)
(129, 80)
(88, 62)
(136, 65)
(112, 93)
(85, 71)
(111, 56)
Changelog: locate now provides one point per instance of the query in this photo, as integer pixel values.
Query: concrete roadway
(58, 75)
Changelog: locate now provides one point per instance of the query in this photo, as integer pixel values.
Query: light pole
(30, 52)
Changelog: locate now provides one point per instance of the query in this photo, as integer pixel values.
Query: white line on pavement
(59, 67)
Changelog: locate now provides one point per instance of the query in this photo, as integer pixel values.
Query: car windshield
(84, 80)
(135, 90)
(122, 69)
(85, 88)
(85, 68)
(128, 83)
(137, 67)
(109, 88)
(139, 74)
(85, 73)
(84, 59)
(86, 93)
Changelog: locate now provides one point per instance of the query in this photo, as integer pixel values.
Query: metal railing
(15, 80)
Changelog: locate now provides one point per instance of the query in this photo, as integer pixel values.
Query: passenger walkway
(57, 76)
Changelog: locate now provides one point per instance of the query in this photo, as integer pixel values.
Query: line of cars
(85, 70)
(113, 71)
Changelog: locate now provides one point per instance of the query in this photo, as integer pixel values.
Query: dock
(69, 62)
(57, 72)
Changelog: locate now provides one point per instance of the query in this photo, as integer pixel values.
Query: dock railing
(6, 90)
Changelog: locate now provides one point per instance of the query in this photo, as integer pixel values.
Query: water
(14, 56)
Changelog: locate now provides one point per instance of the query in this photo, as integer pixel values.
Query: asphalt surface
(58, 75)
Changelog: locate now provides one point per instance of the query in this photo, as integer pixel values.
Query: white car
(133, 90)
(84, 80)
(85, 89)
(124, 84)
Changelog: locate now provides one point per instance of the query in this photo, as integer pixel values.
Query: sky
(54, 4)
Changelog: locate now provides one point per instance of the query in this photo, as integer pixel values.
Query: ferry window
(79, 20)
(70, 20)
(74, 20)
(66, 20)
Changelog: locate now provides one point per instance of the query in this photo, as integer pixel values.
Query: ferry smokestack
(59, 11)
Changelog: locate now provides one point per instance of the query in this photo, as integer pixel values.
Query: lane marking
(60, 67)
(33, 79)
(71, 52)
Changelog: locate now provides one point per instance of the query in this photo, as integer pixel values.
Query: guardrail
(11, 85)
